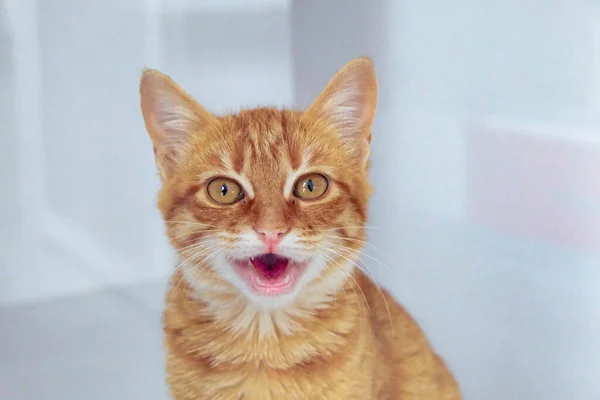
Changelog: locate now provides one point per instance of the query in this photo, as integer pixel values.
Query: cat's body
(366, 359)
(267, 210)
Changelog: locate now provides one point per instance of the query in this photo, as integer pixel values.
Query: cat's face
(266, 203)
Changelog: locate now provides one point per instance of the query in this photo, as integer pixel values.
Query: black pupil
(310, 185)
(224, 189)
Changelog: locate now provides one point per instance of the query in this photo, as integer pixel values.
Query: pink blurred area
(535, 181)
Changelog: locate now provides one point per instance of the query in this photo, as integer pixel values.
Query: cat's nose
(271, 237)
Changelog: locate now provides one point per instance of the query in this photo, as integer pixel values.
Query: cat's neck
(275, 338)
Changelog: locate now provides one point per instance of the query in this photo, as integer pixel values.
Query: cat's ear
(172, 118)
(347, 105)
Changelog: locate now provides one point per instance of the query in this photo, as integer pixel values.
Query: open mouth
(269, 274)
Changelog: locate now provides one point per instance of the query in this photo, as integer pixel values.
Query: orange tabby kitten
(266, 210)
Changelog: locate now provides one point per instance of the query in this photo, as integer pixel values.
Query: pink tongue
(271, 266)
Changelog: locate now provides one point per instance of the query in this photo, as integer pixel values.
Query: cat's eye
(225, 191)
(311, 187)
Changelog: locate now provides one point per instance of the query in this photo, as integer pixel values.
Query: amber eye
(310, 187)
(225, 191)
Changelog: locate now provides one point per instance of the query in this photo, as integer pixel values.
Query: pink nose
(272, 237)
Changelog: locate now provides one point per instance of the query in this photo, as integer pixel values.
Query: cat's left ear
(347, 105)
(173, 120)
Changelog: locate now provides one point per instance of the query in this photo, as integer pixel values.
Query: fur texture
(336, 334)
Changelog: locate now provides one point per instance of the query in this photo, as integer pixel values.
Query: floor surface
(99, 346)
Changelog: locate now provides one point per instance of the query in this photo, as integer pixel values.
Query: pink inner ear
(348, 112)
(172, 117)
(348, 103)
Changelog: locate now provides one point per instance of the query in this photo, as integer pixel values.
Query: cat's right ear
(172, 118)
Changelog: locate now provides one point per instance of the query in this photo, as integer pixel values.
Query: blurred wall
(441, 66)
(476, 97)
(97, 222)
(9, 179)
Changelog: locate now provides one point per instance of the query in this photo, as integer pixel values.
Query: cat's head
(265, 203)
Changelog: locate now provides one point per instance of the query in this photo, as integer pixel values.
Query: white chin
(271, 302)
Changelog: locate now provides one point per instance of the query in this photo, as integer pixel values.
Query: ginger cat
(266, 210)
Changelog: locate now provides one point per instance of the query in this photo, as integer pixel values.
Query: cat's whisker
(372, 279)
(209, 245)
(346, 275)
(351, 251)
(362, 253)
(328, 268)
(352, 277)
(179, 266)
(363, 242)
(352, 227)
(195, 223)
(205, 252)
(343, 273)
(193, 256)
(346, 250)
(194, 232)
(206, 260)
(193, 245)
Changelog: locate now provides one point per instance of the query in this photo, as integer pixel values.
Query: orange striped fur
(336, 335)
